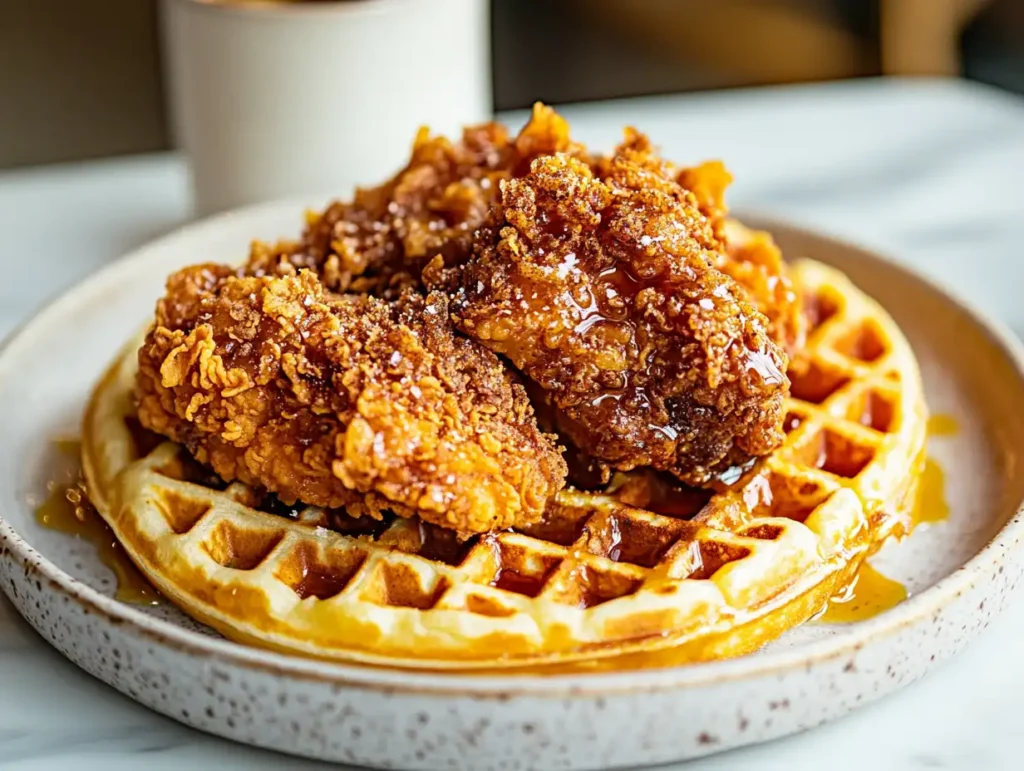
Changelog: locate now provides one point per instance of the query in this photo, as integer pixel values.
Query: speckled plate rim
(914, 610)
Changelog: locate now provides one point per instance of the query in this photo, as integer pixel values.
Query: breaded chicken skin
(751, 257)
(598, 282)
(380, 240)
(343, 401)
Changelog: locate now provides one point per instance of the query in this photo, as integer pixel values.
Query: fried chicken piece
(380, 241)
(343, 401)
(708, 183)
(750, 257)
(600, 285)
(754, 260)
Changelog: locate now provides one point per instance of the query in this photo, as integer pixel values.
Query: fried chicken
(598, 282)
(380, 241)
(653, 327)
(343, 401)
(750, 257)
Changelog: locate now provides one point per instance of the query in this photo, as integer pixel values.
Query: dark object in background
(577, 50)
(573, 50)
(993, 46)
(82, 79)
(79, 80)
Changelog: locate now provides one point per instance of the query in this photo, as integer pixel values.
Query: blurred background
(82, 78)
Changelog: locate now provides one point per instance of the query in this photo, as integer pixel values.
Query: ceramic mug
(280, 99)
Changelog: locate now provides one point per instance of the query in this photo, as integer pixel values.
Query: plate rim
(218, 650)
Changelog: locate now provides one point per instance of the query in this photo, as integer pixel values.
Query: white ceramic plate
(959, 572)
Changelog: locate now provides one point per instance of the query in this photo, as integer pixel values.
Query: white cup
(271, 100)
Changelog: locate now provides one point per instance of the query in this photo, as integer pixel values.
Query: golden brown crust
(646, 353)
(596, 577)
(380, 241)
(708, 183)
(343, 401)
(750, 257)
(601, 287)
(754, 260)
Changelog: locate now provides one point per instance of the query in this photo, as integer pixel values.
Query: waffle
(625, 571)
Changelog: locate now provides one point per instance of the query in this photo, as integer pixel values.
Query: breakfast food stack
(522, 405)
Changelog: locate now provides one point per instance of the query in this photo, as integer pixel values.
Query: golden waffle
(596, 578)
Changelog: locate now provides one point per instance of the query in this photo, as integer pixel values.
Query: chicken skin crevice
(343, 401)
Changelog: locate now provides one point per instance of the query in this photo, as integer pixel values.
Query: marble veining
(926, 171)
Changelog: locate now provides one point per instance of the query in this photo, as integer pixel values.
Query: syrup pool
(67, 510)
(870, 592)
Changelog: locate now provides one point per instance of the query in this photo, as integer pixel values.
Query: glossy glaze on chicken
(379, 362)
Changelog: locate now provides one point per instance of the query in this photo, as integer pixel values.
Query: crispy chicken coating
(343, 401)
(380, 241)
(599, 283)
(750, 257)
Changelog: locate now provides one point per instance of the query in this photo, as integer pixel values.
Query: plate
(959, 572)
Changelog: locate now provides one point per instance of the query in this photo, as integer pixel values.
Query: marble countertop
(927, 171)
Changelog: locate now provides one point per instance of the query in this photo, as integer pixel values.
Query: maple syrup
(930, 506)
(941, 425)
(514, 581)
(320, 583)
(792, 421)
(67, 510)
(637, 545)
(660, 493)
(442, 544)
(869, 594)
(144, 441)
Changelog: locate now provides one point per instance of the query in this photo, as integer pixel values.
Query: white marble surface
(930, 172)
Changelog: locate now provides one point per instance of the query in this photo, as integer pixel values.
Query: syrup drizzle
(931, 505)
(658, 492)
(869, 594)
(514, 581)
(67, 510)
(941, 425)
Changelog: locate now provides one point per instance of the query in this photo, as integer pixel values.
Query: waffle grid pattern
(596, 576)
